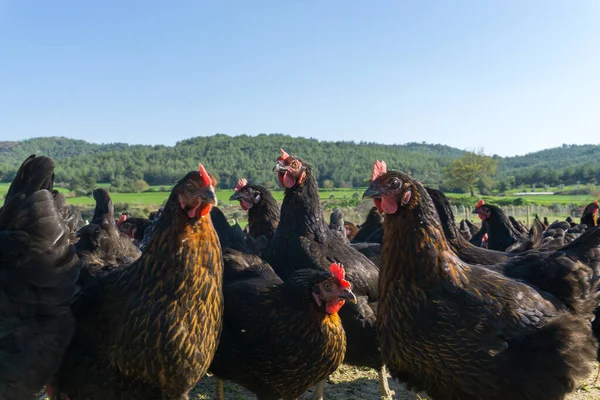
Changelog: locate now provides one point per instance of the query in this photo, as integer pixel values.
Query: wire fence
(526, 213)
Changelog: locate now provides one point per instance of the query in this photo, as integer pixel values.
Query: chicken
(153, 217)
(134, 228)
(233, 237)
(38, 273)
(459, 245)
(477, 238)
(303, 240)
(351, 230)
(336, 224)
(471, 226)
(560, 233)
(149, 331)
(590, 215)
(101, 246)
(502, 235)
(370, 230)
(585, 249)
(518, 225)
(465, 230)
(263, 211)
(461, 331)
(279, 339)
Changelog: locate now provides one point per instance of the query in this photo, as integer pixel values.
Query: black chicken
(371, 229)
(502, 235)
(133, 227)
(464, 249)
(101, 246)
(279, 339)
(38, 273)
(303, 240)
(462, 331)
(337, 226)
(518, 225)
(233, 237)
(263, 211)
(589, 216)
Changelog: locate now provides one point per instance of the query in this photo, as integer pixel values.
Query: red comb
(479, 203)
(241, 183)
(204, 175)
(284, 155)
(378, 170)
(337, 270)
(122, 219)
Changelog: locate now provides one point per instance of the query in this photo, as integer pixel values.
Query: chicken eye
(295, 164)
(327, 286)
(394, 183)
(189, 186)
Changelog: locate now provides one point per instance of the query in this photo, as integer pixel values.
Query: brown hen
(150, 331)
(461, 331)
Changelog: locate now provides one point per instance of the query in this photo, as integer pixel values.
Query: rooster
(38, 273)
(461, 331)
(263, 211)
(303, 240)
(279, 339)
(150, 330)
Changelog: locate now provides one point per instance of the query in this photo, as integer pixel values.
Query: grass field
(157, 198)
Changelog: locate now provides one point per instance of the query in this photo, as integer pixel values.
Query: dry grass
(361, 383)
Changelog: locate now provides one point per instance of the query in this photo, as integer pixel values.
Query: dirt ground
(361, 383)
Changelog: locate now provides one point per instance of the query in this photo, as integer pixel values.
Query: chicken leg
(319, 391)
(384, 388)
(220, 390)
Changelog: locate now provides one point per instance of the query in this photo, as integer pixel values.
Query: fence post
(528, 216)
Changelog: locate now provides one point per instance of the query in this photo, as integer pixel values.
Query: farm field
(155, 197)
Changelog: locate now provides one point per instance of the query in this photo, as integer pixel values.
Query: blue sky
(509, 76)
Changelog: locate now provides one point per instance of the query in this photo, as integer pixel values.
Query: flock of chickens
(135, 308)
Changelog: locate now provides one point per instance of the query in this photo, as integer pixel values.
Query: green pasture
(156, 197)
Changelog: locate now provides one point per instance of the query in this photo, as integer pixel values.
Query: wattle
(288, 180)
(389, 205)
(334, 306)
(246, 205)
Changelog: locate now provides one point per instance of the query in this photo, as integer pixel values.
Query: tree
(140, 185)
(466, 171)
(502, 186)
(328, 184)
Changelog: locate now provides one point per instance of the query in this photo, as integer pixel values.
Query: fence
(525, 213)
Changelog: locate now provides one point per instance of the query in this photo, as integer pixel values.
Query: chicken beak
(207, 195)
(373, 191)
(347, 294)
(279, 168)
(236, 196)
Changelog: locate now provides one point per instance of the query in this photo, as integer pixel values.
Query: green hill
(341, 164)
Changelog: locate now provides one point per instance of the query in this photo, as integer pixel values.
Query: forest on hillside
(338, 164)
